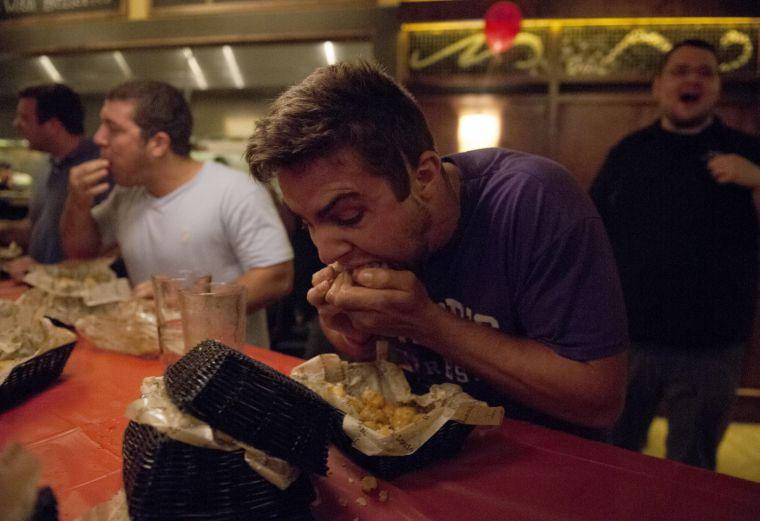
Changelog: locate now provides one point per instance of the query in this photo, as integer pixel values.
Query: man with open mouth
(677, 201)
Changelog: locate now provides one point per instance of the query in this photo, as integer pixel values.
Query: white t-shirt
(221, 222)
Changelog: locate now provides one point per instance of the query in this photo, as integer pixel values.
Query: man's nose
(100, 136)
(330, 244)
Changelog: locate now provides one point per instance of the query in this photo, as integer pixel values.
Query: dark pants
(697, 389)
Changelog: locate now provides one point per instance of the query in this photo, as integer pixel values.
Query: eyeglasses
(683, 71)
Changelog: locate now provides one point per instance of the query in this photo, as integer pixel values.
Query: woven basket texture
(165, 479)
(253, 403)
(33, 375)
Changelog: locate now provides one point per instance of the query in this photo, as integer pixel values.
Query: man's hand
(336, 324)
(79, 232)
(733, 168)
(372, 302)
(387, 302)
(87, 181)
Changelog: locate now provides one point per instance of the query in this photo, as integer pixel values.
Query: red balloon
(502, 25)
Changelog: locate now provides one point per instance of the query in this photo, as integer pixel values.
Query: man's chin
(690, 122)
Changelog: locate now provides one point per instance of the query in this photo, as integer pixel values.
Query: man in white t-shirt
(169, 212)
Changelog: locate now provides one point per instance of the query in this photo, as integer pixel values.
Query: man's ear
(426, 174)
(54, 124)
(159, 144)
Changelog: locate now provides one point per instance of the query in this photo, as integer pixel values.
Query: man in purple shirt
(492, 266)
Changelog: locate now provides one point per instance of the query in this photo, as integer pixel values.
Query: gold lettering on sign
(637, 37)
(734, 37)
(472, 52)
(579, 63)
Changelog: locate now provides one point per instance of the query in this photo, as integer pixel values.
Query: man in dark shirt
(677, 200)
(51, 119)
(490, 268)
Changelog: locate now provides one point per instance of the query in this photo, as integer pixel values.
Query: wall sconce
(478, 130)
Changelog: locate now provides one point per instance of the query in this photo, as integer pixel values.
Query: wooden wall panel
(588, 126)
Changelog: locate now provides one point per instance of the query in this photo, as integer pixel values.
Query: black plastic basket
(252, 403)
(165, 479)
(445, 443)
(33, 375)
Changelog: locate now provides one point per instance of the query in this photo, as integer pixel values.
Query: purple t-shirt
(530, 257)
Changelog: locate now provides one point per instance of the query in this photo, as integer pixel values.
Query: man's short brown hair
(354, 105)
(159, 107)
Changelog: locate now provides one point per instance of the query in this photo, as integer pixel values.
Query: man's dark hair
(159, 107)
(57, 101)
(354, 105)
(693, 42)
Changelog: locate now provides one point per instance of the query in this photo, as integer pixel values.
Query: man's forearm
(586, 393)
(79, 232)
(266, 285)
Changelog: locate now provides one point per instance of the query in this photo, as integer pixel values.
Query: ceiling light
(195, 68)
(50, 69)
(123, 65)
(329, 49)
(232, 65)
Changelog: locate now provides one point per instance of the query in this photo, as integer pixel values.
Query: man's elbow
(283, 284)
(278, 283)
(605, 398)
(607, 412)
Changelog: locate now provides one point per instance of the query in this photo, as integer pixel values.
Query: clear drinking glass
(214, 313)
(166, 290)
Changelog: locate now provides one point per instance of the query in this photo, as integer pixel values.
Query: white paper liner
(10, 252)
(71, 278)
(444, 402)
(158, 411)
(64, 309)
(129, 327)
(70, 290)
(115, 509)
(24, 334)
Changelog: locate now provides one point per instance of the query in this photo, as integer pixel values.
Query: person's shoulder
(225, 174)
(230, 183)
(510, 178)
(503, 164)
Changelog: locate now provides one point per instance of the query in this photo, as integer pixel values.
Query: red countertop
(516, 471)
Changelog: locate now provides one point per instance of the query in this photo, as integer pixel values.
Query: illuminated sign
(594, 50)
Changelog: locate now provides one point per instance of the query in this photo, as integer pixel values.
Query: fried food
(375, 412)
